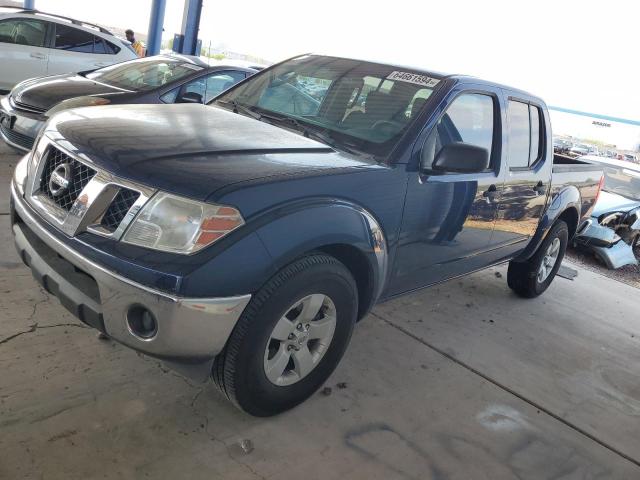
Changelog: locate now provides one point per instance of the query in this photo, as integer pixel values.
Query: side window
(170, 96)
(6, 30)
(98, 45)
(23, 32)
(111, 48)
(73, 40)
(519, 134)
(535, 152)
(221, 81)
(469, 119)
(524, 134)
(195, 87)
(102, 46)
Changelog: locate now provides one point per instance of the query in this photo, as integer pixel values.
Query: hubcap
(549, 260)
(300, 339)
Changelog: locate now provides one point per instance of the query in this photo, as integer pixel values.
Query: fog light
(141, 322)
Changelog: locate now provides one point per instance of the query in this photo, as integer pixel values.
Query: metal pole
(156, 22)
(191, 26)
(30, 4)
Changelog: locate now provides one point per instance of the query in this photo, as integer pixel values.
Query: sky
(581, 55)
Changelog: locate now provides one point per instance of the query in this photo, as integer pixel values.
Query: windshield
(353, 105)
(144, 74)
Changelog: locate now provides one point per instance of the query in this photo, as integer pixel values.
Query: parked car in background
(613, 230)
(35, 44)
(244, 240)
(158, 79)
(561, 145)
(579, 149)
(630, 158)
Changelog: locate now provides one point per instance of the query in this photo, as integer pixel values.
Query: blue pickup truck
(242, 241)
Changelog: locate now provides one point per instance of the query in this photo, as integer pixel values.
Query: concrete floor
(460, 381)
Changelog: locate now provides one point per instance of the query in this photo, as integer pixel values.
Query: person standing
(135, 44)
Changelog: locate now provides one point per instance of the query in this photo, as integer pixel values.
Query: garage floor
(460, 381)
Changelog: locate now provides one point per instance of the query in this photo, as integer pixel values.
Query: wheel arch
(343, 230)
(565, 205)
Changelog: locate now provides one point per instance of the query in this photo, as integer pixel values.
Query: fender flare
(566, 199)
(291, 230)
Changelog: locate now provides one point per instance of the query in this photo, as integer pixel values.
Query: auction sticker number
(413, 78)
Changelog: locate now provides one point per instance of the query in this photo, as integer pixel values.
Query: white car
(35, 44)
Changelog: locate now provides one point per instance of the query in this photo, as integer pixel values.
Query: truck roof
(433, 73)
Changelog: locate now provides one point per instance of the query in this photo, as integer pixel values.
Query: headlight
(179, 225)
(77, 102)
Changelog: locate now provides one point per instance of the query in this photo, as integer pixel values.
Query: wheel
(531, 278)
(290, 337)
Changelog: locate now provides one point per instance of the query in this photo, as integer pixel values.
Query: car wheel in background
(532, 277)
(290, 337)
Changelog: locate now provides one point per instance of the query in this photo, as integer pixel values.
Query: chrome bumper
(189, 330)
(26, 128)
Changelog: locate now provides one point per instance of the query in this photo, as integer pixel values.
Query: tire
(523, 277)
(240, 370)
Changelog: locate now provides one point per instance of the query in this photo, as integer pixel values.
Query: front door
(449, 217)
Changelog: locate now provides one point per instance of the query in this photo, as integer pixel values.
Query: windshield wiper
(306, 131)
(323, 137)
(242, 109)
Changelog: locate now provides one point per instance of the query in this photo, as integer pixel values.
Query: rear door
(528, 177)
(23, 53)
(73, 51)
(449, 217)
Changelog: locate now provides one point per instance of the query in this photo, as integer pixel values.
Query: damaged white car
(613, 231)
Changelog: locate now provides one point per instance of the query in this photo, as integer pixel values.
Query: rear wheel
(532, 277)
(290, 337)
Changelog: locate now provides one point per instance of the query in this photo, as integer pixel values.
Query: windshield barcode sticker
(413, 78)
(191, 66)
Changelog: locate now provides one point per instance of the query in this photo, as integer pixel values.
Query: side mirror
(190, 97)
(460, 157)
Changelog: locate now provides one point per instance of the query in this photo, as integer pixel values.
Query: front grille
(81, 175)
(19, 139)
(116, 212)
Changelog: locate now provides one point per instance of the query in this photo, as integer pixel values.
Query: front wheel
(290, 337)
(532, 277)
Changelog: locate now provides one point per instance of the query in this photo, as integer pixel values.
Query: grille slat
(118, 209)
(81, 175)
(18, 138)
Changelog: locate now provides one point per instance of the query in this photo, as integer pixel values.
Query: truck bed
(564, 164)
(570, 172)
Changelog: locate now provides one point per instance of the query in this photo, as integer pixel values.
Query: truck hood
(44, 93)
(191, 150)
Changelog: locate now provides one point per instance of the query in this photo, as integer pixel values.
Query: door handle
(100, 64)
(40, 56)
(540, 188)
(490, 194)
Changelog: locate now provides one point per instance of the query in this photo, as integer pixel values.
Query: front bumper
(24, 129)
(612, 250)
(190, 331)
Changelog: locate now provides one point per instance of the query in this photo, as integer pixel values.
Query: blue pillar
(190, 26)
(156, 21)
(30, 4)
